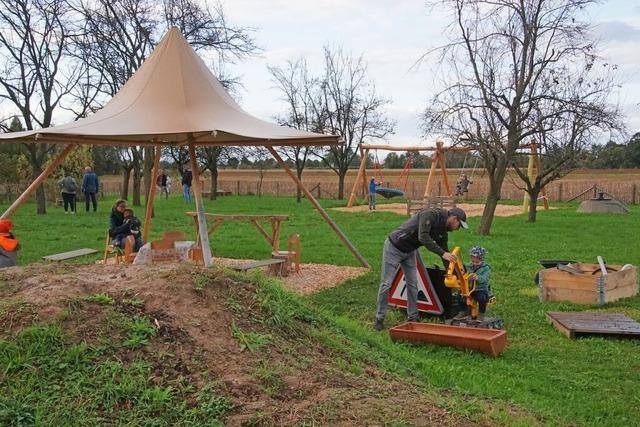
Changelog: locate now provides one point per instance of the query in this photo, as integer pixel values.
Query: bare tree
(300, 93)
(512, 69)
(210, 157)
(349, 108)
(35, 36)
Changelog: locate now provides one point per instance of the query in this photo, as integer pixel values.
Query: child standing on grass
(479, 276)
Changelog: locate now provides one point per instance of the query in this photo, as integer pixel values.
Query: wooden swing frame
(438, 159)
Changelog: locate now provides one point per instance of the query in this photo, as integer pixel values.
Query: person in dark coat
(68, 188)
(90, 185)
(162, 181)
(428, 228)
(118, 230)
(187, 178)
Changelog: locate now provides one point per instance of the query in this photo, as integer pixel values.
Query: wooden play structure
(533, 169)
(173, 99)
(438, 160)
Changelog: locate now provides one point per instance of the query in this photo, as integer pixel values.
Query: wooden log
(322, 212)
(146, 229)
(36, 182)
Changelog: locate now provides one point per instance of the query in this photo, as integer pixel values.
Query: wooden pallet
(581, 324)
(68, 255)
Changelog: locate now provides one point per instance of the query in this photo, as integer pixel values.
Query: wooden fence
(626, 190)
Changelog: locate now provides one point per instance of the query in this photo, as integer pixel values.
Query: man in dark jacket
(428, 228)
(187, 179)
(90, 185)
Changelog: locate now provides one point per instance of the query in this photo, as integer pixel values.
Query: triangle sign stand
(428, 301)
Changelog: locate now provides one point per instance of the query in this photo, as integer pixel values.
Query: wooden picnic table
(275, 221)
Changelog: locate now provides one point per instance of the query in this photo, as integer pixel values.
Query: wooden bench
(216, 220)
(256, 264)
(71, 254)
(414, 206)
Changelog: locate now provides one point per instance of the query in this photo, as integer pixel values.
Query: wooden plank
(575, 324)
(241, 217)
(71, 254)
(256, 264)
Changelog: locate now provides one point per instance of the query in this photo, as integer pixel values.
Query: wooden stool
(282, 269)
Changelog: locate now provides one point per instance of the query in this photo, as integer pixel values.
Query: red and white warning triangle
(428, 300)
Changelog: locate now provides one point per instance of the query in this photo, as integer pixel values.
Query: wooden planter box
(488, 341)
(589, 285)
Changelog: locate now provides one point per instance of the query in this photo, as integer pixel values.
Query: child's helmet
(478, 251)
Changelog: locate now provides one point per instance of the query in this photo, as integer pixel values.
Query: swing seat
(389, 193)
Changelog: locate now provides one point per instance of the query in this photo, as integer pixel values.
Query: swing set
(438, 158)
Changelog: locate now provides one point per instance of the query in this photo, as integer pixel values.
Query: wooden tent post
(197, 193)
(316, 205)
(36, 182)
(152, 194)
(363, 164)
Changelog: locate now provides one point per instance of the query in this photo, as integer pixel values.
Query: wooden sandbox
(585, 284)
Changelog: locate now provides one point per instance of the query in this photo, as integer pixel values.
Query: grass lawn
(542, 376)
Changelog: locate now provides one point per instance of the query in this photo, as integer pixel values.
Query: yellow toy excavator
(458, 278)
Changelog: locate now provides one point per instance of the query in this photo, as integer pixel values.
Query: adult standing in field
(162, 183)
(68, 188)
(428, 228)
(187, 179)
(90, 185)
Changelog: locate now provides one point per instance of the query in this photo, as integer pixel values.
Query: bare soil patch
(469, 208)
(292, 380)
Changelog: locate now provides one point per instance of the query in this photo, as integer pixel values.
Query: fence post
(560, 192)
(318, 196)
(277, 188)
(634, 189)
(439, 188)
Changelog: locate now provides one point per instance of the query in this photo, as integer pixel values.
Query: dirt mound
(267, 361)
(469, 208)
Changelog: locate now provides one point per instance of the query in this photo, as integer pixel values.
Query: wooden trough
(585, 284)
(488, 341)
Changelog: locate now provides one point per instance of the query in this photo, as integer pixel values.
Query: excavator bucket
(488, 341)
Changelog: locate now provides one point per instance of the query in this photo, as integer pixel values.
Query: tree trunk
(126, 176)
(41, 203)
(137, 184)
(341, 176)
(533, 203)
(214, 183)
(495, 185)
(298, 191)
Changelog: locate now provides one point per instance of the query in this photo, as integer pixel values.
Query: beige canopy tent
(173, 99)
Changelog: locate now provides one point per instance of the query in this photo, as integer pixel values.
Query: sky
(392, 35)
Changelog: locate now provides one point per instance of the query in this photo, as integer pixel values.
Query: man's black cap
(459, 213)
